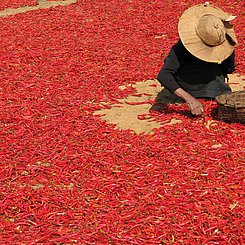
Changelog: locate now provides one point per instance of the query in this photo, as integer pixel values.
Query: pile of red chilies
(67, 177)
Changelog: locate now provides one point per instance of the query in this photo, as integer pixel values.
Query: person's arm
(194, 105)
(167, 75)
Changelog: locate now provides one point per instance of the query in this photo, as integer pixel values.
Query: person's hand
(195, 106)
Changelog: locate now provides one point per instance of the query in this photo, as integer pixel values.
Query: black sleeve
(167, 74)
(228, 65)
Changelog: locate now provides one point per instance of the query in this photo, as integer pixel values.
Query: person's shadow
(163, 99)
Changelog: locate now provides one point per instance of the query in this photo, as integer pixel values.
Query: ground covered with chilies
(67, 177)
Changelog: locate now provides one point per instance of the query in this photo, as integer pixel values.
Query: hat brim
(192, 42)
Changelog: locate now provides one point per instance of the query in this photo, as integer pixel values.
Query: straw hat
(206, 32)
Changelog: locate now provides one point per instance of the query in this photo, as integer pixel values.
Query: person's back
(199, 78)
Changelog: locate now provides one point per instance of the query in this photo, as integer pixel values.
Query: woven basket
(231, 106)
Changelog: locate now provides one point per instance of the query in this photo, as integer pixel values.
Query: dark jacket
(201, 79)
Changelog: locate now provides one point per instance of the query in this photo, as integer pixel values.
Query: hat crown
(211, 30)
(206, 33)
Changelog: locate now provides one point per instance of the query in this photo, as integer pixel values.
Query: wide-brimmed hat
(206, 32)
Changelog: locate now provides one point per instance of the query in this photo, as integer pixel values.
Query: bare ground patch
(42, 4)
(125, 115)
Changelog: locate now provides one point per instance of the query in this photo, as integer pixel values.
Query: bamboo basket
(231, 107)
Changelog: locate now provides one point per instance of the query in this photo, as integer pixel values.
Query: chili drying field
(69, 175)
